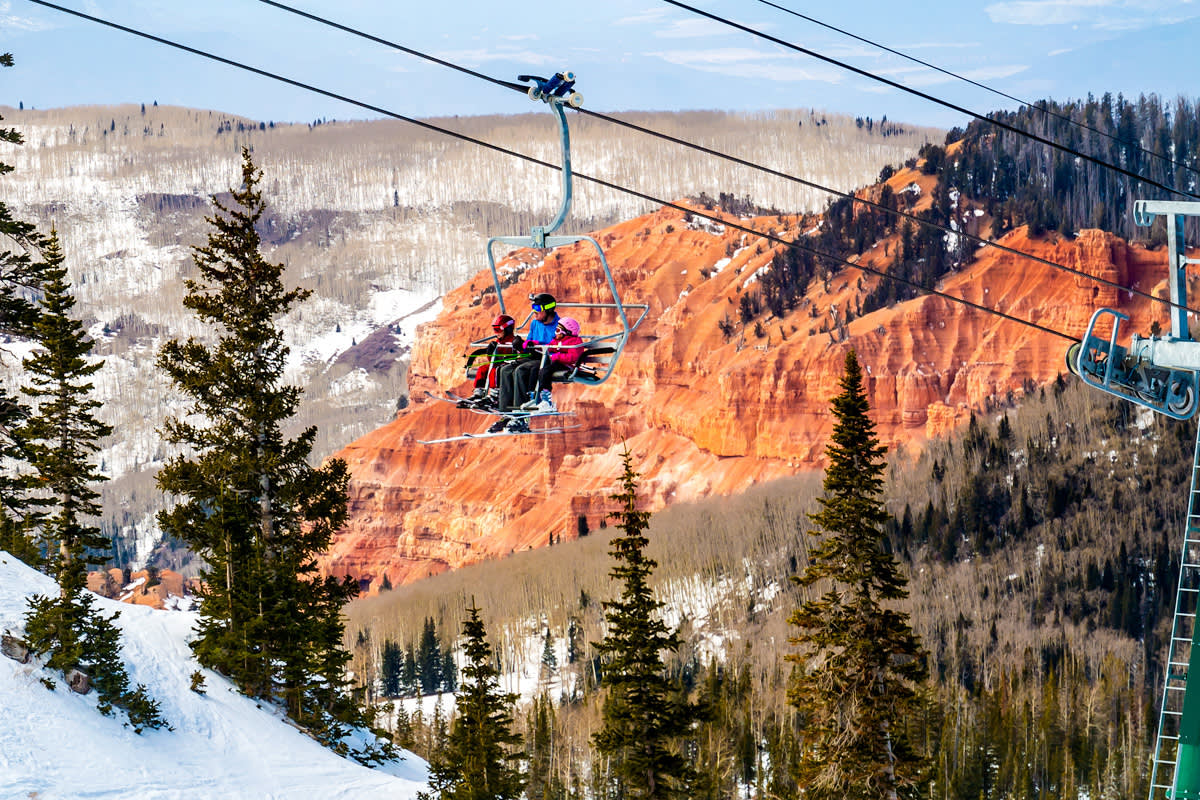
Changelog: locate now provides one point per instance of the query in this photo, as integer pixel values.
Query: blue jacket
(541, 332)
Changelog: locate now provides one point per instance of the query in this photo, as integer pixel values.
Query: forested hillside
(1041, 543)
(1042, 548)
(1025, 182)
(1014, 181)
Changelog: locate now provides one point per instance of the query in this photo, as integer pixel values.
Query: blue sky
(628, 54)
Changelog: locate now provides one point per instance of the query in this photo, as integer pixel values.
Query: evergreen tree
(857, 677)
(449, 673)
(429, 659)
(643, 721)
(391, 669)
(20, 281)
(62, 435)
(480, 758)
(248, 501)
(549, 661)
(410, 682)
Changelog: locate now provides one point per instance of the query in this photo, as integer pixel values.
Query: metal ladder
(1175, 774)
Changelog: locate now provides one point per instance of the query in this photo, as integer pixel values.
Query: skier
(564, 352)
(506, 347)
(517, 376)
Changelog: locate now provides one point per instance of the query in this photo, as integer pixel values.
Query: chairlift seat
(593, 366)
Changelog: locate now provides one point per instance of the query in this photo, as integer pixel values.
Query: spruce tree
(480, 759)
(20, 281)
(248, 502)
(391, 669)
(62, 436)
(643, 719)
(859, 667)
(429, 659)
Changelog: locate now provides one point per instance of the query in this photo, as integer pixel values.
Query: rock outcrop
(158, 589)
(705, 404)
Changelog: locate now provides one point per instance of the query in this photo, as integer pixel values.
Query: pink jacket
(568, 356)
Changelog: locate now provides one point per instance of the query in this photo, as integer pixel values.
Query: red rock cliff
(703, 413)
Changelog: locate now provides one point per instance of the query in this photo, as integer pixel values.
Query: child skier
(565, 350)
(506, 347)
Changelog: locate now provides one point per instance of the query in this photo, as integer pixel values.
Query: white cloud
(994, 72)
(916, 76)
(691, 29)
(937, 46)
(481, 56)
(649, 17)
(740, 62)
(11, 23)
(1106, 15)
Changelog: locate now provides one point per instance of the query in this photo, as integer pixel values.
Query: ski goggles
(546, 307)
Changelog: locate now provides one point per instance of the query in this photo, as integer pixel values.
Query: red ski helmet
(503, 323)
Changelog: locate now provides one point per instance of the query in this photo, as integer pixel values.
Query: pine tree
(62, 436)
(643, 721)
(480, 759)
(449, 673)
(859, 667)
(20, 280)
(248, 501)
(429, 659)
(410, 680)
(391, 669)
(549, 663)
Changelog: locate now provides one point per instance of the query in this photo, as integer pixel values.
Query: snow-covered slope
(55, 744)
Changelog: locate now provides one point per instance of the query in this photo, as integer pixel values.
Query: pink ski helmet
(570, 325)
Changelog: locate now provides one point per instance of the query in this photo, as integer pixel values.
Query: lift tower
(1160, 372)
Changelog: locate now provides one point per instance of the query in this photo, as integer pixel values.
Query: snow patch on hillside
(55, 745)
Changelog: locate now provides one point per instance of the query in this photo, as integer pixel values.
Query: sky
(627, 54)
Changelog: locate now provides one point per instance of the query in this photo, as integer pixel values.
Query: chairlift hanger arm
(556, 92)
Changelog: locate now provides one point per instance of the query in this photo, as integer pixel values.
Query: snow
(758, 273)
(325, 328)
(55, 745)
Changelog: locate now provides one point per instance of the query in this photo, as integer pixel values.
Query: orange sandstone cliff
(703, 412)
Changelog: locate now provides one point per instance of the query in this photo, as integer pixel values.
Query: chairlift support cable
(531, 159)
(1042, 108)
(729, 157)
(932, 98)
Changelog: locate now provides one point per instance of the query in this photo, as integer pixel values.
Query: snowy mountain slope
(55, 744)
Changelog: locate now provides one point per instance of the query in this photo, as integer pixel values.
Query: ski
(449, 397)
(467, 437)
(514, 414)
